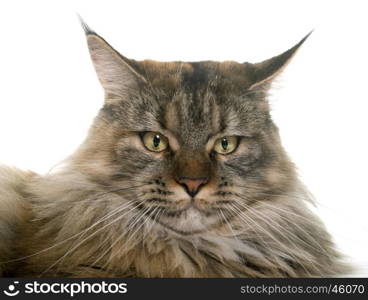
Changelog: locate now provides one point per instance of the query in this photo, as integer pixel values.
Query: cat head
(191, 143)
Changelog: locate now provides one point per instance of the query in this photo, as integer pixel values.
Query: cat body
(182, 174)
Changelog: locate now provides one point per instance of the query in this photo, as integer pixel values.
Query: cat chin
(190, 221)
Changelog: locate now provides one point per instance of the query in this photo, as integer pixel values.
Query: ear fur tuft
(86, 28)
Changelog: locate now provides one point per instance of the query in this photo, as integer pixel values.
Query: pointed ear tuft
(86, 28)
(264, 72)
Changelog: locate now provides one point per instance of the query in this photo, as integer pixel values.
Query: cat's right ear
(115, 72)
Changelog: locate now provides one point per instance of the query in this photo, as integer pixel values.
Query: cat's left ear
(264, 72)
(117, 74)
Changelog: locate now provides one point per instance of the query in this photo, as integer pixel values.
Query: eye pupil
(156, 140)
(224, 143)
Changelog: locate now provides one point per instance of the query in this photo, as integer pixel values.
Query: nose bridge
(192, 171)
(193, 164)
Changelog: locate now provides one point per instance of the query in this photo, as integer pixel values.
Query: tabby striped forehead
(192, 117)
(193, 101)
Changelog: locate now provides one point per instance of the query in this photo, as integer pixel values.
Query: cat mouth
(185, 210)
(187, 221)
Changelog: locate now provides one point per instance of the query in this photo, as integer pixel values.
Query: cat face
(191, 143)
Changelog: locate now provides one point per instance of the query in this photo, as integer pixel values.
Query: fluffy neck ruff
(80, 228)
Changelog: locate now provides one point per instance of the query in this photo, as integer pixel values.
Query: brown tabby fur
(116, 209)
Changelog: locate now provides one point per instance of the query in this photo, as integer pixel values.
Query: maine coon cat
(182, 174)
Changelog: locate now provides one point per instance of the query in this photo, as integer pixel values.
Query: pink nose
(192, 185)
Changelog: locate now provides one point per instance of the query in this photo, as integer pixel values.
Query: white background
(49, 92)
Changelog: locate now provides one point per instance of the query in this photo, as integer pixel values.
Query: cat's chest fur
(204, 255)
(160, 254)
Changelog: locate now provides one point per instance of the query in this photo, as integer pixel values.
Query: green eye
(226, 145)
(155, 141)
